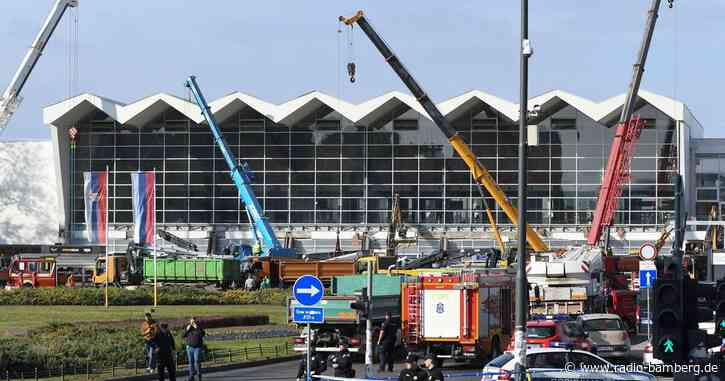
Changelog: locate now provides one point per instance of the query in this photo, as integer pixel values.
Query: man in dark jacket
(342, 362)
(165, 348)
(434, 374)
(194, 336)
(386, 344)
(412, 371)
(317, 365)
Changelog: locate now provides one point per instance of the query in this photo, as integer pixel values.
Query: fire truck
(38, 272)
(463, 316)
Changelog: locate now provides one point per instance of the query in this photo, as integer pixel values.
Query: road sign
(647, 274)
(308, 290)
(308, 315)
(647, 252)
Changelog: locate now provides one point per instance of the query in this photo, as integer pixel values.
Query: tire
(27, 285)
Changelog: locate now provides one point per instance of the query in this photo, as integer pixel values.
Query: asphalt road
(288, 371)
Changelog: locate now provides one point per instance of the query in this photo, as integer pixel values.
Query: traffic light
(720, 308)
(362, 305)
(670, 330)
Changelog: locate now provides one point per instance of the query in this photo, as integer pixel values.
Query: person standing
(149, 329)
(386, 344)
(342, 362)
(434, 373)
(412, 371)
(194, 336)
(165, 347)
(317, 366)
(250, 284)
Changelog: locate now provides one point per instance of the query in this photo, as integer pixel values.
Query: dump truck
(210, 270)
(464, 316)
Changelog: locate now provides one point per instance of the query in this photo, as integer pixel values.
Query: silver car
(608, 333)
(559, 364)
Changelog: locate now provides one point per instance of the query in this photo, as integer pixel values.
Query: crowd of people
(160, 348)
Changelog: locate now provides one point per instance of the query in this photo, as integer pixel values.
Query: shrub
(140, 296)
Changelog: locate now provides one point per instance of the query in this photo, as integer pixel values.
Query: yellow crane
(478, 171)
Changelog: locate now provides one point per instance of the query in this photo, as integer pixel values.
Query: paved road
(288, 371)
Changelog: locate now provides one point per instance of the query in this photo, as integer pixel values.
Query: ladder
(415, 313)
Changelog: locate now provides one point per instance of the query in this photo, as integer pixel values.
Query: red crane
(625, 140)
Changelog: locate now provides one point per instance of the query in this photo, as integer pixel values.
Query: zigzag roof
(140, 112)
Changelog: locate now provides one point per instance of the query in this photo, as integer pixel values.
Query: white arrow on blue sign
(647, 278)
(308, 290)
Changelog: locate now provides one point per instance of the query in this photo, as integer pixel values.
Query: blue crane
(242, 177)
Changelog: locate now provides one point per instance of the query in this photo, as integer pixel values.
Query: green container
(383, 285)
(192, 270)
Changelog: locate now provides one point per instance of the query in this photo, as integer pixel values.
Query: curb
(210, 369)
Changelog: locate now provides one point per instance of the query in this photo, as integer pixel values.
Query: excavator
(482, 176)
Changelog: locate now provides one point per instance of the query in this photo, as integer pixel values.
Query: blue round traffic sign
(308, 290)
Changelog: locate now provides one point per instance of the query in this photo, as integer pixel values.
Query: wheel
(27, 285)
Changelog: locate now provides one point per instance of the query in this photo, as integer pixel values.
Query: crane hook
(351, 71)
(670, 3)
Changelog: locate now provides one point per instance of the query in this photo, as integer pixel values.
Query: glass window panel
(405, 151)
(277, 138)
(201, 138)
(706, 194)
(380, 191)
(302, 165)
(508, 151)
(328, 151)
(507, 164)
(248, 139)
(276, 191)
(353, 191)
(200, 217)
(458, 178)
(431, 151)
(507, 177)
(276, 164)
(563, 164)
(353, 151)
(109, 152)
(303, 178)
(353, 177)
(122, 139)
(328, 191)
(406, 164)
(303, 190)
(203, 152)
(302, 138)
(225, 191)
(458, 190)
(431, 177)
(379, 138)
(431, 164)
(281, 152)
(353, 138)
(276, 178)
(275, 203)
(378, 204)
(538, 177)
(176, 203)
(380, 151)
(247, 153)
(328, 164)
(303, 203)
(328, 178)
(225, 217)
(302, 151)
(377, 217)
(302, 217)
(405, 177)
(589, 177)
(194, 165)
(229, 203)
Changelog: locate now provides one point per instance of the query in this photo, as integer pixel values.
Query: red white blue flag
(95, 186)
(143, 195)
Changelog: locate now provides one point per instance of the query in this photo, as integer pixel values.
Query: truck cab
(37, 272)
(116, 272)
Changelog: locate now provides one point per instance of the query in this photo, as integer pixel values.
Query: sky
(277, 50)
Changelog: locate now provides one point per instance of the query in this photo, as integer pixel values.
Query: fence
(95, 371)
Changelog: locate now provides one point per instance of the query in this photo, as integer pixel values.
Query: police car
(559, 364)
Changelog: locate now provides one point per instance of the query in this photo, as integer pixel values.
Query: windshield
(603, 325)
(540, 332)
(500, 361)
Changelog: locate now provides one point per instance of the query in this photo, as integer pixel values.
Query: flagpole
(108, 265)
(156, 272)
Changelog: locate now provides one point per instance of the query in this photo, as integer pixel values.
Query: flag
(95, 195)
(143, 194)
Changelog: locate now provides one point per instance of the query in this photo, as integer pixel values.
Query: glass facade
(325, 170)
(709, 185)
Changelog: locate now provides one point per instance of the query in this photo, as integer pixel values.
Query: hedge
(139, 296)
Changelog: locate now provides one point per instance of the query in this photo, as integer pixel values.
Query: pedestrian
(194, 336)
(434, 374)
(317, 365)
(250, 283)
(149, 328)
(342, 362)
(386, 344)
(165, 347)
(266, 283)
(412, 371)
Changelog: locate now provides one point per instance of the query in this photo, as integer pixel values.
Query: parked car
(556, 333)
(608, 333)
(559, 364)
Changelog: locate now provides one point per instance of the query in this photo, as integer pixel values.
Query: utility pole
(522, 289)
(369, 324)
(679, 226)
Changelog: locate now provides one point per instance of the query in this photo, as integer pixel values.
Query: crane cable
(351, 68)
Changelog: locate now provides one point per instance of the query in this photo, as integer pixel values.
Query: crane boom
(11, 97)
(242, 177)
(479, 172)
(625, 139)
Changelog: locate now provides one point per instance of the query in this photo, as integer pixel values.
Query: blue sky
(278, 50)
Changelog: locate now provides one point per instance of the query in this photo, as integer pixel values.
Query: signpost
(308, 290)
(647, 252)
(647, 277)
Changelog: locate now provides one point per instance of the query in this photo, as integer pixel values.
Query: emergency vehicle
(460, 316)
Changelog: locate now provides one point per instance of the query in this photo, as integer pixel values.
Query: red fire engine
(460, 316)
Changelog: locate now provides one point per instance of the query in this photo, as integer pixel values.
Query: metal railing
(98, 370)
